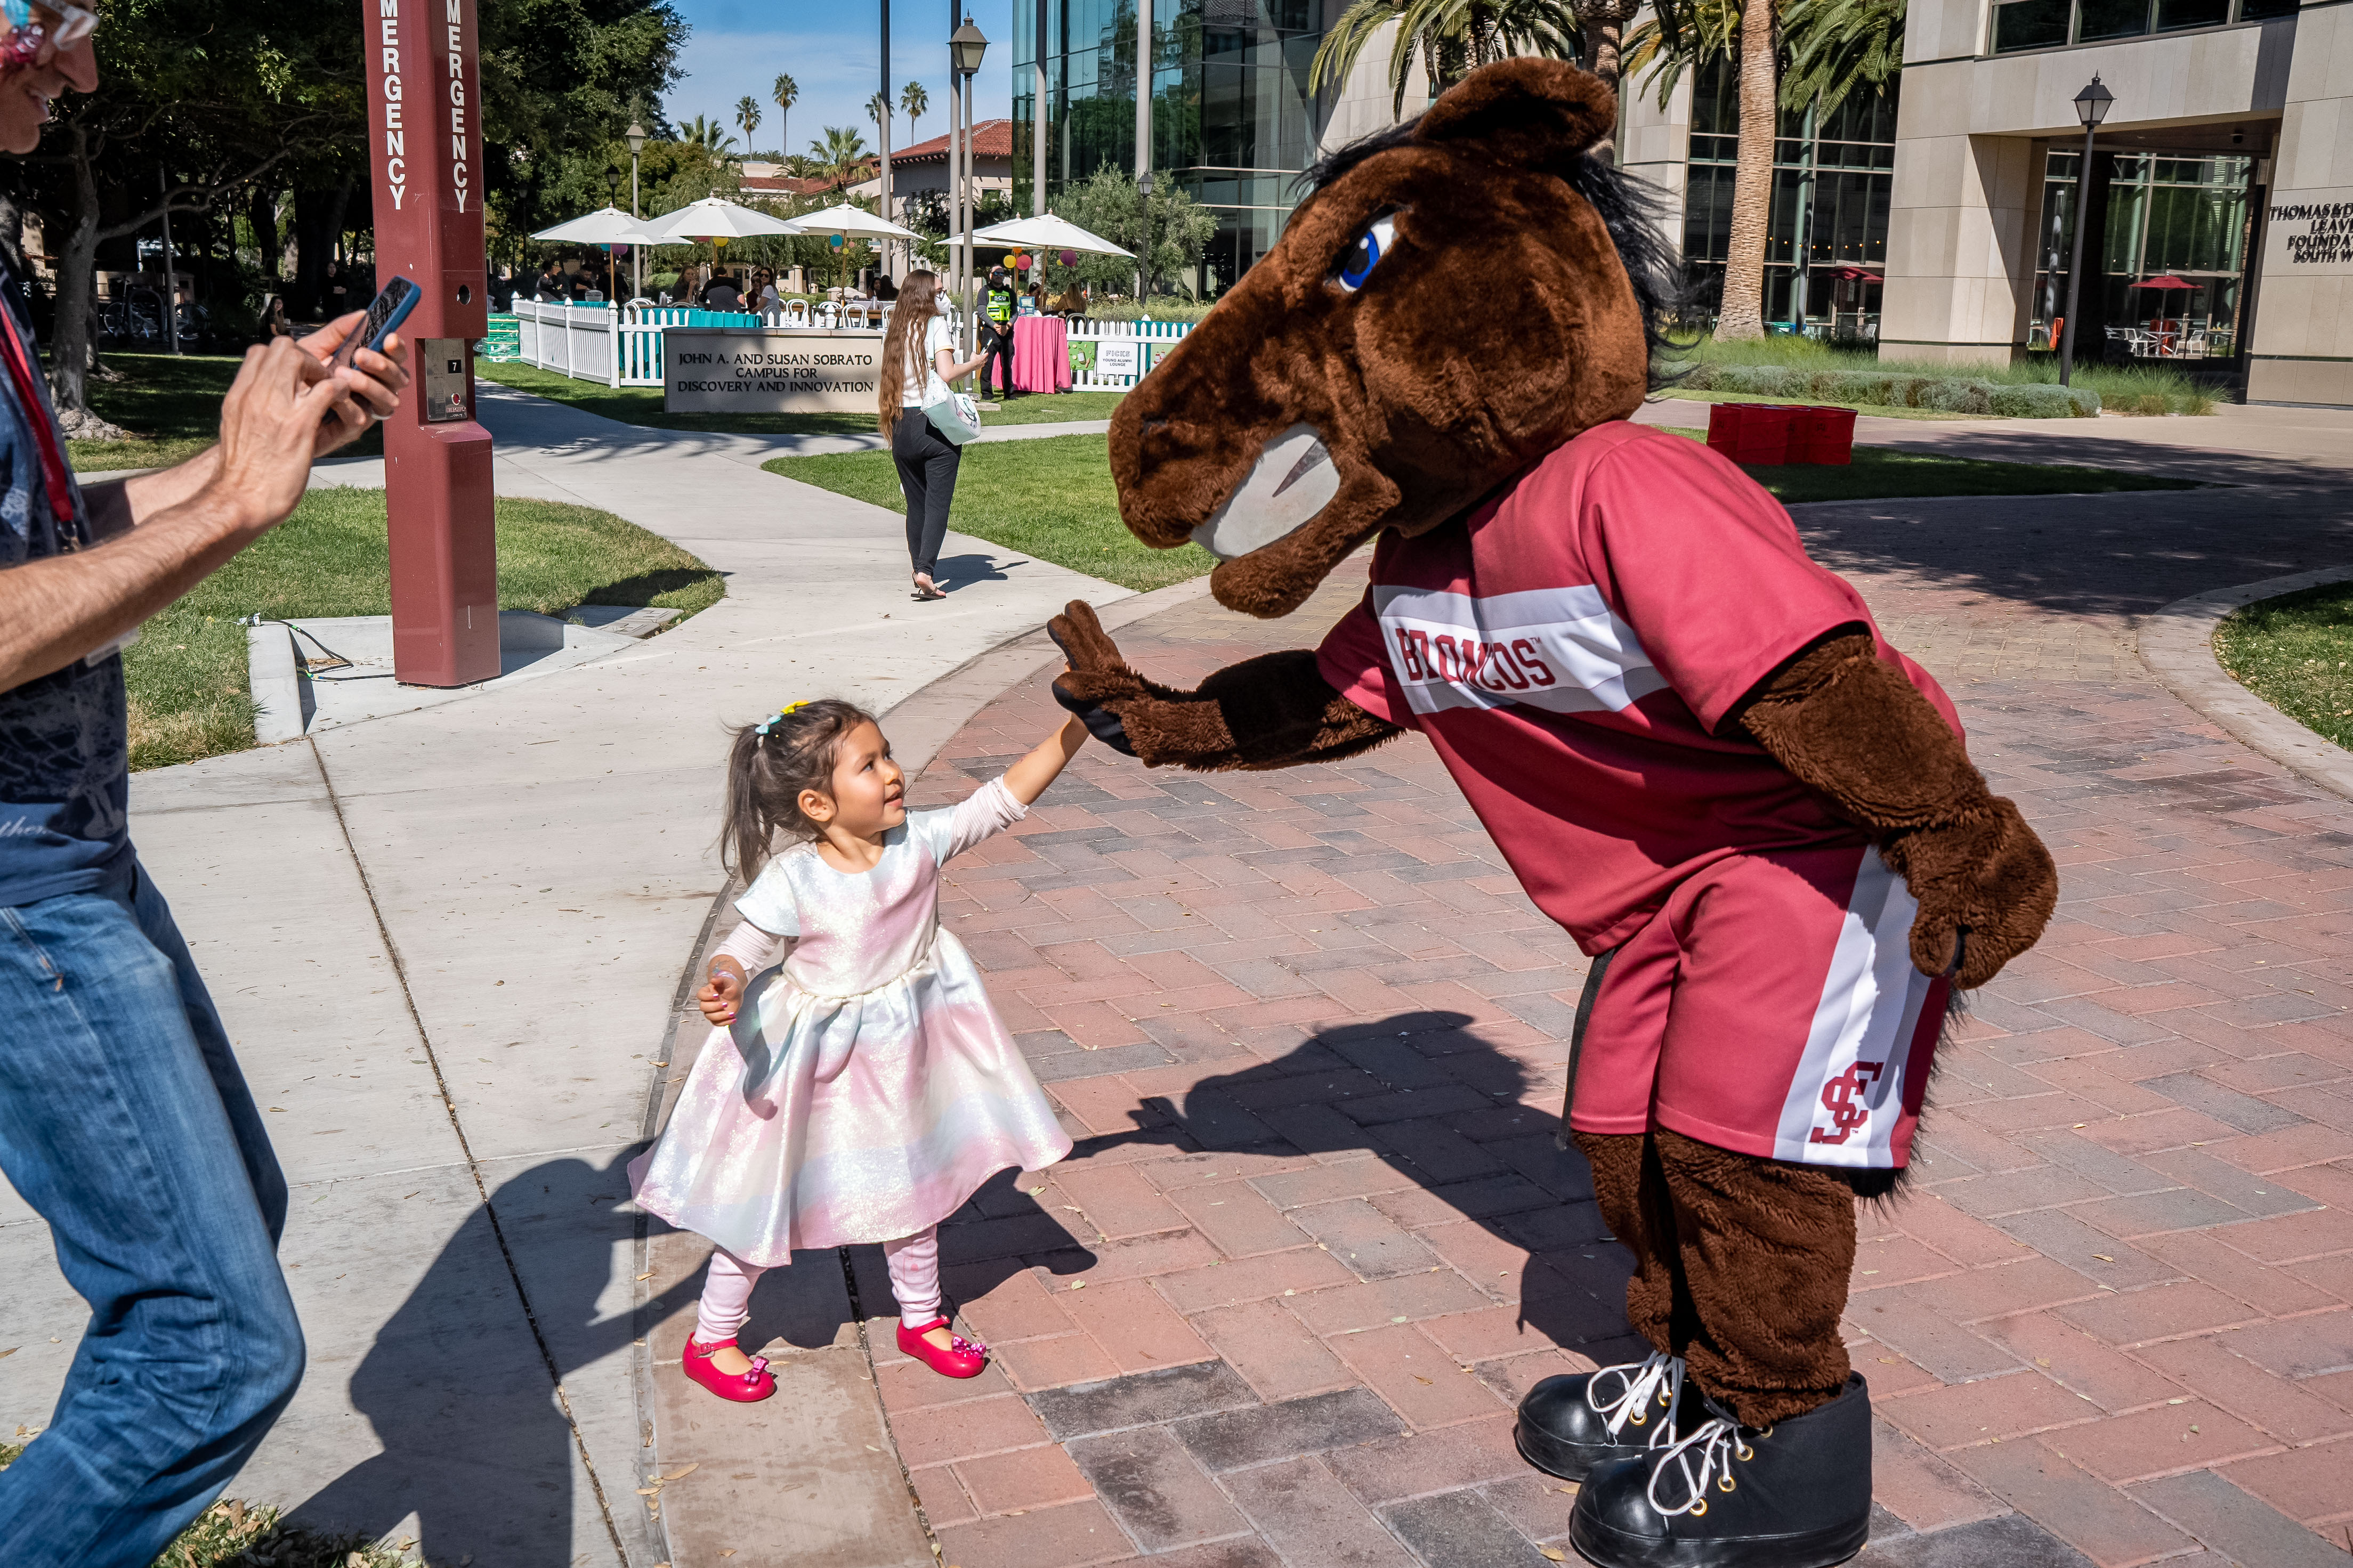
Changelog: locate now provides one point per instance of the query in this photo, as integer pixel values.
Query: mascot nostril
(1689, 741)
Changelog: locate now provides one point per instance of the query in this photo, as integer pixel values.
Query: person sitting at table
(550, 288)
(723, 294)
(764, 289)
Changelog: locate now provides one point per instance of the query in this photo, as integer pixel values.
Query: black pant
(997, 349)
(927, 471)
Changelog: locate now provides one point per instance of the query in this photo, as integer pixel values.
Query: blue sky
(831, 47)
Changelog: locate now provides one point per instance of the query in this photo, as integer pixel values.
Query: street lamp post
(2091, 106)
(1144, 251)
(636, 135)
(965, 47)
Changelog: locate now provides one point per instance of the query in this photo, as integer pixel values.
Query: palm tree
(747, 115)
(878, 110)
(1837, 46)
(839, 153)
(707, 134)
(786, 92)
(915, 102)
(1601, 27)
(1684, 33)
(1454, 37)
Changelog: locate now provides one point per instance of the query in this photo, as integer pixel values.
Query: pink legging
(913, 1262)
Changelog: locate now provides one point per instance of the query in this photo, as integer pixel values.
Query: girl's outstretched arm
(1026, 779)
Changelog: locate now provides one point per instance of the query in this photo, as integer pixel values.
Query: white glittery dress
(867, 1089)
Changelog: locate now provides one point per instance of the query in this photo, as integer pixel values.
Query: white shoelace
(1716, 1442)
(1660, 1378)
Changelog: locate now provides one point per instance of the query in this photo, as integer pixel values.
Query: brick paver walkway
(1316, 1237)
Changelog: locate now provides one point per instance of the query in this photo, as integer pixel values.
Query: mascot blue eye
(1366, 254)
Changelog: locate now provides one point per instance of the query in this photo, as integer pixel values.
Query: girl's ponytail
(768, 765)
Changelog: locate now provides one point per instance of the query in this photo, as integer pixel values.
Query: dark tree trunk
(71, 340)
(263, 214)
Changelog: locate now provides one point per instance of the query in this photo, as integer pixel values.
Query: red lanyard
(36, 415)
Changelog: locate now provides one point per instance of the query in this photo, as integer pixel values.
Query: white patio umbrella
(715, 217)
(1046, 232)
(851, 223)
(607, 225)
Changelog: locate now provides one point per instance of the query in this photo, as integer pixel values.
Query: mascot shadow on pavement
(1689, 740)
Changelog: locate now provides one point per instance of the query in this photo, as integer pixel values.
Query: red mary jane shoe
(961, 1359)
(743, 1387)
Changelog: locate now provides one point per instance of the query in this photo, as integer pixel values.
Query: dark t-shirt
(64, 770)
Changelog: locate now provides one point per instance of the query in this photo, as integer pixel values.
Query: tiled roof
(783, 186)
(990, 139)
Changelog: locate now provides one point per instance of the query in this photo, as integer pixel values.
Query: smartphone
(390, 307)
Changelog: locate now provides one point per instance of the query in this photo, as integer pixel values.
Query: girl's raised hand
(721, 993)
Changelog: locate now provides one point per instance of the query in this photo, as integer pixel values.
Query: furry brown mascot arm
(1849, 724)
(1272, 712)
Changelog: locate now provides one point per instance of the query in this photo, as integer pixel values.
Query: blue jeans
(125, 1122)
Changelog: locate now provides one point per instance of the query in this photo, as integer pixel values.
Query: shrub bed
(1952, 394)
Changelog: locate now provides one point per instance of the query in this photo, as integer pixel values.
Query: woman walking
(919, 361)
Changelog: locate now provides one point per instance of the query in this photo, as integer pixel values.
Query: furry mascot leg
(1743, 1438)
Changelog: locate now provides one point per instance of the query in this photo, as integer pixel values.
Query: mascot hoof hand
(1794, 1495)
(1098, 676)
(1986, 886)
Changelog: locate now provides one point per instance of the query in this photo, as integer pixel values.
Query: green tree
(915, 102)
(839, 155)
(219, 97)
(1453, 37)
(747, 115)
(1106, 203)
(1837, 46)
(707, 134)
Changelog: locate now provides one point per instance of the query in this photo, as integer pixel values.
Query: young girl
(865, 1090)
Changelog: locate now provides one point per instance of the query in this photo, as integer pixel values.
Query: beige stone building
(2220, 190)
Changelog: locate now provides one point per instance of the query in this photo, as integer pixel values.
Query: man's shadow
(1440, 1106)
(474, 1441)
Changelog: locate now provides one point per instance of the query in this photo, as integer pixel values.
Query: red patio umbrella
(2167, 281)
(1851, 274)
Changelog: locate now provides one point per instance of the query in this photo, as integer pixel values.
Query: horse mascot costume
(1689, 740)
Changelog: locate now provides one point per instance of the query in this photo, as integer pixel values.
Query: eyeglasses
(44, 28)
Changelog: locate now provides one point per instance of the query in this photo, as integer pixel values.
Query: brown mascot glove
(1850, 725)
(1274, 711)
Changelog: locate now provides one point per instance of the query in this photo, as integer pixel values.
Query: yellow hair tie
(777, 717)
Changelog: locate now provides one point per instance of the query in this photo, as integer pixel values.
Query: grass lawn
(643, 406)
(171, 407)
(1875, 410)
(2296, 654)
(1885, 473)
(189, 695)
(1051, 497)
(2152, 387)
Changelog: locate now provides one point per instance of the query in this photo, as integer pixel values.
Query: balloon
(836, 241)
(1070, 258)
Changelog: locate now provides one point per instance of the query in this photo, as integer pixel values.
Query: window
(2048, 24)
(2179, 218)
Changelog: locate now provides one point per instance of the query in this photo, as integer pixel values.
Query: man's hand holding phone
(295, 401)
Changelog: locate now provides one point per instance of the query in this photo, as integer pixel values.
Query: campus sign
(771, 370)
(424, 91)
(2303, 234)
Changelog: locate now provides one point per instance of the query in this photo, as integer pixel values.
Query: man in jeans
(123, 1118)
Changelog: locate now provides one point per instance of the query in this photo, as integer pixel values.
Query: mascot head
(1458, 297)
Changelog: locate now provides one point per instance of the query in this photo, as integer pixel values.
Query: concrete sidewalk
(449, 943)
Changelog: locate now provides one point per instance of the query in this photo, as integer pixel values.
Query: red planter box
(1769, 434)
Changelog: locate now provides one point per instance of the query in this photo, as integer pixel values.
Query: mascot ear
(1533, 112)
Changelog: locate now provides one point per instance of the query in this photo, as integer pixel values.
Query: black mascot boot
(1795, 1495)
(1573, 1421)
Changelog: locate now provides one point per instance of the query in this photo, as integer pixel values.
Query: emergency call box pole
(426, 137)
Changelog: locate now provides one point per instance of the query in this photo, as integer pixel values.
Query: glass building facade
(2171, 258)
(2053, 24)
(1232, 121)
(1825, 240)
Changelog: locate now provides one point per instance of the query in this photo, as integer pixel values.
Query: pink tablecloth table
(1042, 354)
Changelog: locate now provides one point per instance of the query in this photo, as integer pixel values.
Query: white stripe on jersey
(1557, 648)
(1847, 1094)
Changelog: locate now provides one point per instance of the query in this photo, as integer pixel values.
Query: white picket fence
(587, 343)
